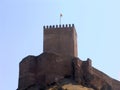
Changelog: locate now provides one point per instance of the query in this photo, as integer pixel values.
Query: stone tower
(60, 47)
(61, 40)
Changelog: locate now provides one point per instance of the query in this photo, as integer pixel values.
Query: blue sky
(97, 24)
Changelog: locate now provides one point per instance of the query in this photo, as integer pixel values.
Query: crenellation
(89, 61)
(47, 27)
(63, 26)
(51, 27)
(44, 27)
(56, 26)
(69, 25)
(66, 25)
(73, 25)
(60, 26)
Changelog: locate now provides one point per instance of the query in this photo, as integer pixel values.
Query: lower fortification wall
(115, 84)
(47, 68)
(102, 75)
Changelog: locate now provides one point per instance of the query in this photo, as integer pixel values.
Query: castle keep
(61, 40)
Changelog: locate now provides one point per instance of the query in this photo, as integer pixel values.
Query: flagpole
(60, 18)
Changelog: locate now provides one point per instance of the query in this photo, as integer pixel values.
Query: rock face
(47, 69)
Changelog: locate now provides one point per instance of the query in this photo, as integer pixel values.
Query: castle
(59, 61)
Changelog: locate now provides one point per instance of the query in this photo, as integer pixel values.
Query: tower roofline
(58, 26)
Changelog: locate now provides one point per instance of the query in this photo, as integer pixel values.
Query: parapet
(89, 61)
(58, 26)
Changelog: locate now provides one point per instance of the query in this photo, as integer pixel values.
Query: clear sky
(21, 33)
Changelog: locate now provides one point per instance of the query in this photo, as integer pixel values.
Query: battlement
(58, 26)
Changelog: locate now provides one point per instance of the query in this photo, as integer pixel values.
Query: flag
(61, 15)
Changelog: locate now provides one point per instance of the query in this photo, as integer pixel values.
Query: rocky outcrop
(47, 69)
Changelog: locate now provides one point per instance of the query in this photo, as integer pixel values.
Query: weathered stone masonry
(58, 61)
(61, 39)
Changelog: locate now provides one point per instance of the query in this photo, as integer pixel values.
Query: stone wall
(27, 72)
(43, 70)
(61, 39)
(89, 76)
(39, 72)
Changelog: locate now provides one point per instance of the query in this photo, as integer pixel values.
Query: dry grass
(71, 87)
(75, 87)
